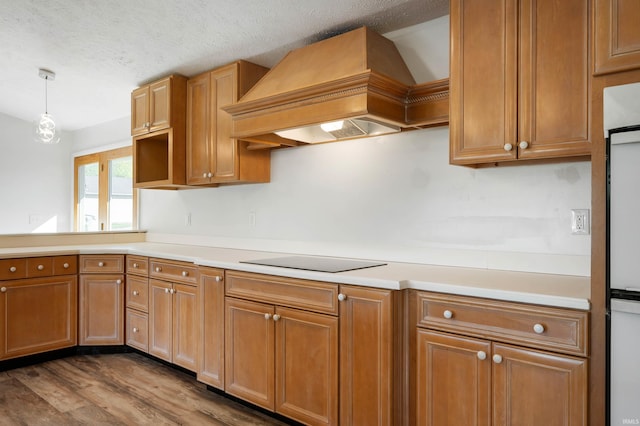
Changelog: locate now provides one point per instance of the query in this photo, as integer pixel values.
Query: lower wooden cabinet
(38, 315)
(283, 359)
(211, 368)
(173, 323)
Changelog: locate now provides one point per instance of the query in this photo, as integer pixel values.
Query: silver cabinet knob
(135, 329)
(158, 269)
(101, 264)
(166, 290)
(524, 145)
(118, 281)
(276, 317)
(218, 279)
(482, 355)
(342, 297)
(13, 269)
(204, 175)
(209, 174)
(497, 359)
(135, 265)
(3, 289)
(508, 147)
(185, 273)
(135, 292)
(40, 267)
(267, 316)
(65, 266)
(173, 291)
(538, 328)
(447, 314)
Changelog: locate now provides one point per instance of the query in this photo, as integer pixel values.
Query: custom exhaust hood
(352, 85)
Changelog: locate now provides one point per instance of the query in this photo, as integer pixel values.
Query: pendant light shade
(45, 129)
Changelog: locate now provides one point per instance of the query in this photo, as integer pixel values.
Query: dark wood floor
(114, 389)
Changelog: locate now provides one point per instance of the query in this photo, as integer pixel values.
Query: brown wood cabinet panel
(137, 334)
(65, 265)
(139, 110)
(370, 356)
(101, 264)
(174, 271)
(306, 355)
(520, 80)
(37, 315)
(39, 267)
(137, 293)
(563, 330)
(303, 294)
(160, 104)
(211, 370)
(101, 309)
(160, 319)
(138, 265)
(12, 269)
(617, 38)
(454, 382)
(225, 92)
(186, 326)
(538, 388)
(249, 352)
(200, 160)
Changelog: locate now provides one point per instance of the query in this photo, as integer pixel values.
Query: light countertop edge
(534, 288)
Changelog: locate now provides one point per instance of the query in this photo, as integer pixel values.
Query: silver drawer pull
(3, 290)
(218, 279)
(118, 281)
(40, 267)
(135, 329)
(497, 358)
(482, 355)
(185, 273)
(135, 265)
(447, 314)
(342, 297)
(135, 292)
(538, 328)
(13, 269)
(101, 264)
(158, 269)
(65, 266)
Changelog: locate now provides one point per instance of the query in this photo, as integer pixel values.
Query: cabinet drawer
(138, 265)
(137, 330)
(303, 294)
(138, 293)
(65, 265)
(101, 264)
(556, 329)
(11, 269)
(181, 272)
(39, 267)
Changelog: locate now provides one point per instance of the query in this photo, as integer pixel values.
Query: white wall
(35, 191)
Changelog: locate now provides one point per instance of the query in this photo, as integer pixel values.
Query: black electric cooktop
(318, 264)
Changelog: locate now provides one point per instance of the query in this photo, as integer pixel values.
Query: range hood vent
(358, 78)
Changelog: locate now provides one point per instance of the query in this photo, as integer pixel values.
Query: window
(104, 196)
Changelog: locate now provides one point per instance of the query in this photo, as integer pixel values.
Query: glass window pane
(88, 197)
(120, 194)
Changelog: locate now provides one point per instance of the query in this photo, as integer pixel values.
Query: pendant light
(45, 128)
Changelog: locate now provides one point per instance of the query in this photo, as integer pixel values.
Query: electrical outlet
(580, 222)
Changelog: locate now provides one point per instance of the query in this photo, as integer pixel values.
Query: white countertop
(544, 289)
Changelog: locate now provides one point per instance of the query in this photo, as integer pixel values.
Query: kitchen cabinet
(520, 86)
(281, 345)
(213, 156)
(38, 305)
(137, 303)
(173, 312)
(486, 362)
(101, 300)
(158, 105)
(616, 35)
(371, 354)
(211, 368)
(158, 123)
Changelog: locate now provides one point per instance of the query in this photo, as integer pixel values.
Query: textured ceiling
(101, 50)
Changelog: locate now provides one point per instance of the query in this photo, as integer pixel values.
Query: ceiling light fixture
(45, 128)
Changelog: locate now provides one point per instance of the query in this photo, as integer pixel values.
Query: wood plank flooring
(114, 389)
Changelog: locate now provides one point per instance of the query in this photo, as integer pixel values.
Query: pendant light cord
(46, 100)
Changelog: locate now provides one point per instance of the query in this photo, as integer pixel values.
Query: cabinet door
(368, 360)
(538, 388)
(211, 370)
(37, 315)
(483, 82)
(160, 319)
(453, 380)
(224, 86)
(249, 347)
(617, 38)
(554, 97)
(160, 105)
(101, 312)
(306, 355)
(185, 326)
(137, 334)
(200, 161)
(140, 111)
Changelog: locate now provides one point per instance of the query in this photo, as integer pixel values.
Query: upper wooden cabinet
(157, 105)
(213, 156)
(520, 80)
(617, 35)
